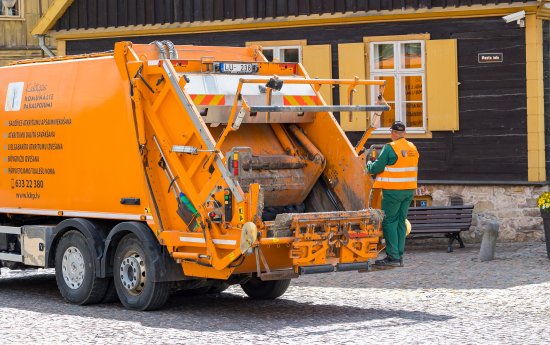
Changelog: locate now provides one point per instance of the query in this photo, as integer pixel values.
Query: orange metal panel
(70, 147)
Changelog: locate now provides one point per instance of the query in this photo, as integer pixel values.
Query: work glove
(367, 166)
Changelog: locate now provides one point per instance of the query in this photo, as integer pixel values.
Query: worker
(396, 170)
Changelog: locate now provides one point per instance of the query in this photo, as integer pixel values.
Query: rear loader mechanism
(219, 144)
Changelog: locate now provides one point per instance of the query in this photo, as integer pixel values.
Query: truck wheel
(75, 270)
(258, 289)
(219, 288)
(135, 288)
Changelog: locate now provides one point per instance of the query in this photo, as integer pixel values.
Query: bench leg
(460, 241)
(451, 239)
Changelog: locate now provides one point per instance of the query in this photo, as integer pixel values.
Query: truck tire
(130, 268)
(256, 288)
(75, 270)
(111, 296)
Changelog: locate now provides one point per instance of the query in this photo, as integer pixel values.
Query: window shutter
(442, 85)
(317, 61)
(351, 63)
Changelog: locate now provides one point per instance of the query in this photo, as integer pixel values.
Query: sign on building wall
(490, 57)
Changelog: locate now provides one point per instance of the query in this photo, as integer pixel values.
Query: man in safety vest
(396, 170)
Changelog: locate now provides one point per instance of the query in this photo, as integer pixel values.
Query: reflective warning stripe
(208, 99)
(192, 239)
(201, 240)
(300, 100)
(228, 242)
(392, 179)
(400, 169)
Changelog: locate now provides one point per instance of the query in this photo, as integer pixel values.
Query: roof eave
(51, 16)
(299, 21)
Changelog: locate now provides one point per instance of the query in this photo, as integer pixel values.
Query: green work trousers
(395, 204)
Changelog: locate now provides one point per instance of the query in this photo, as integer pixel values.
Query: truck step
(11, 257)
(13, 230)
(278, 275)
(314, 269)
(353, 266)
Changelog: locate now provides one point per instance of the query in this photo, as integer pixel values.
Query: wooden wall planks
(492, 141)
(83, 13)
(14, 33)
(179, 11)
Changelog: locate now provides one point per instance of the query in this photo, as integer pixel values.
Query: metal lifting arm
(351, 90)
(375, 121)
(195, 184)
(216, 157)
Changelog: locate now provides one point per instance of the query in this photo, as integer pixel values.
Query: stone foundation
(513, 207)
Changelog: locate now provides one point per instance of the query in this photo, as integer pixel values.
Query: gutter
(42, 43)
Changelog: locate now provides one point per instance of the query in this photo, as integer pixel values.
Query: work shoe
(401, 262)
(387, 263)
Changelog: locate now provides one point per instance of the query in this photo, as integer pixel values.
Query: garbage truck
(156, 168)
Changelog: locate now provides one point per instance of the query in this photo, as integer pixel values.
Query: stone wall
(513, 207)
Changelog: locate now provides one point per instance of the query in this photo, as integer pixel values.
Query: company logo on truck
(14, 96)
(36, 97)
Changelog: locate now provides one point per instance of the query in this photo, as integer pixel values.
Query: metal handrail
(315, 81)
(316, 108)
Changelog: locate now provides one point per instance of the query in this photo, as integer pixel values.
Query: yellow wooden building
(17, 19)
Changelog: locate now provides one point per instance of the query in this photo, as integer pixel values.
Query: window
(284, 53)
(10, 8)
(402, 65)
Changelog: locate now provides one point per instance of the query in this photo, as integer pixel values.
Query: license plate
(238, 68)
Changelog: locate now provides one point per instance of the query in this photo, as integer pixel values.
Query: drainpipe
(41, 42)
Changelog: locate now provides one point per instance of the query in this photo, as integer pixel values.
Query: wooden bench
(448, 220)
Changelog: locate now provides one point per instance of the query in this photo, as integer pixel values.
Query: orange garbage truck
(157, 168)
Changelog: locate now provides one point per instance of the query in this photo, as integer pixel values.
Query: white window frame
(277, 52)
(5, 16)
(397, 73)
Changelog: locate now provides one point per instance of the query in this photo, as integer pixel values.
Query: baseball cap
(398, 126)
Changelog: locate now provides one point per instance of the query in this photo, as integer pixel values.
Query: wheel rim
(133, 274)
(73, 268)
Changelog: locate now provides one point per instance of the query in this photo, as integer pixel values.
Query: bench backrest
(440, 219)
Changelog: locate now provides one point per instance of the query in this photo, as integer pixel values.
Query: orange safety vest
(404, 173)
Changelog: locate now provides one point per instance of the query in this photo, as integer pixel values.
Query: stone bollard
(489, 241)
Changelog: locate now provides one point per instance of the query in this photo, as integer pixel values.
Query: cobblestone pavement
(438, 298)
